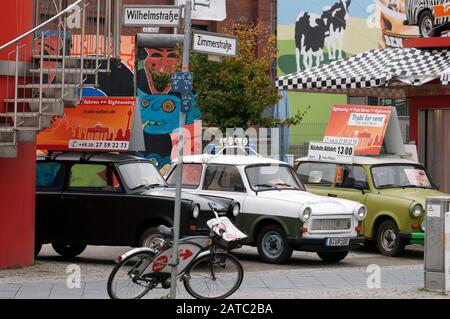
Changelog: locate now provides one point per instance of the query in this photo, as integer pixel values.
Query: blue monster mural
(160, 110)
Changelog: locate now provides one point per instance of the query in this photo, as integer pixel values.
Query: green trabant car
(393, 190)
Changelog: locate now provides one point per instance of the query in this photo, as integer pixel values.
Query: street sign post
(151, 16)
(179, 169)
(214, 43)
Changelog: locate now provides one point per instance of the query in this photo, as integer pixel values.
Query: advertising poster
(103, 124)
(364, 126)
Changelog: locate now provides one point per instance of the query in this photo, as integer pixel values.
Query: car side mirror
(239, 188)
(437, 186)
(362, 186)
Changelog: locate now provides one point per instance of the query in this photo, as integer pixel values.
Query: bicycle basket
(231, 237)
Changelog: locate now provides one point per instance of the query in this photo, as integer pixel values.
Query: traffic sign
(148, 15)
(214, 43)
(186, 102)
(182, 82)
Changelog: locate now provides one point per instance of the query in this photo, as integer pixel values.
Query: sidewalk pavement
(274, 284)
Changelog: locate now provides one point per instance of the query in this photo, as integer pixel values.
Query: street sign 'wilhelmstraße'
(214, 43)
(146, 15)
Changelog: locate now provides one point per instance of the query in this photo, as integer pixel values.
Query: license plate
(337, 242)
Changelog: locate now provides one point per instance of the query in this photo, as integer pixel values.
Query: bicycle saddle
(165, 231)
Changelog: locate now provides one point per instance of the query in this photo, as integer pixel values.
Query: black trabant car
(110, 199)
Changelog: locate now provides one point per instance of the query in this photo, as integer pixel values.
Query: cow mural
(315, 32)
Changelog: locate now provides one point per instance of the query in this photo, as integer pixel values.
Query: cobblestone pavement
(308, 278)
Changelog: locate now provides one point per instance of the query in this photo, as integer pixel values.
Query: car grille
(331, 224)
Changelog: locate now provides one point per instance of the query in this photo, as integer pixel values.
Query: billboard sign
(211, 10)
(364, 126)
(101, 124)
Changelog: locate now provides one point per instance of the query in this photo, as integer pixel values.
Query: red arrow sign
(186, 254)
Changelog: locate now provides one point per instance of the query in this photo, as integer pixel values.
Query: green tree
(236, 91)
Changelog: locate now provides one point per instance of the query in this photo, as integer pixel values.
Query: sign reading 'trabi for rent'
(214, 43)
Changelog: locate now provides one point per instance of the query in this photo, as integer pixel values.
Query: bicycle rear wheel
(214, 276)
(124, 281)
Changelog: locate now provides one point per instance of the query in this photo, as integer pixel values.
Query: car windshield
(400, 176)
(140, 175)
(272, 177)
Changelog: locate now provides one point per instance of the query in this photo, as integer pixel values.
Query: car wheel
(332, 257)
(69, 250)
(388, 239)
(426, 25)
(273, 246)
(150, 238)
(37, 248)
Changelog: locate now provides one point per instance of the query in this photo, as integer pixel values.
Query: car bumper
(412, 238)
(318, 244)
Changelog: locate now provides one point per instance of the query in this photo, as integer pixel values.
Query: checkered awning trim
(375, 68)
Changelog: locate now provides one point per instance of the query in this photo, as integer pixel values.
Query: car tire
(69, 250)
(37, 248)
(388, 240)
(332, 257)
(150, 237)
(273, 246)
(426, 25)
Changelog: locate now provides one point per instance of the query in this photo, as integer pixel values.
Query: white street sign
(327, 152)
(155, 16)
(214, 43)
(211, 10)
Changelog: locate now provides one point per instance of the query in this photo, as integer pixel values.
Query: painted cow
(313, 32)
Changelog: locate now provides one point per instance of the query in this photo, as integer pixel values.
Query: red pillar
(17, 175)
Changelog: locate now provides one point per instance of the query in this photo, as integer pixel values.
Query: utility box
(437, 228)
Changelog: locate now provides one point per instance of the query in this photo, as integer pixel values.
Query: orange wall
(17, 175)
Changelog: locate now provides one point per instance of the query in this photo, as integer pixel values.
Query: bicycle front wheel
(125, 281)
(214, 276)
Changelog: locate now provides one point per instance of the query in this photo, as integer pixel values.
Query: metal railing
(71, 48)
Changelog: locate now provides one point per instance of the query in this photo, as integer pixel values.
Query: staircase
(74, 45)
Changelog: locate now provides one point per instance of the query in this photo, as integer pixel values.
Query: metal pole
(179, 172)
(117, 29)
(96, 43)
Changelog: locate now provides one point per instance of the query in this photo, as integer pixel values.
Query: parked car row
(328, 208)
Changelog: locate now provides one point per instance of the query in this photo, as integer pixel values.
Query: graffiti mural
(160, 110)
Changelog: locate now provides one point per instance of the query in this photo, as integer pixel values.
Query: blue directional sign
(186, 102)
(182, 82)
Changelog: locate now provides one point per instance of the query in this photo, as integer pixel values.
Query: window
(192, 174)
(396, 176)
(354, 177)
(317, 173)
(223, 178)
(49, 175)
(94, 176)
(138, 175)
(270, 177)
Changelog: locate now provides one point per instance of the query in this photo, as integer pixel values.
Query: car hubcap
(427, 27)
(272, 244)
(388, 239)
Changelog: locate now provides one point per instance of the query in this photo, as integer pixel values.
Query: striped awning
(373, 69)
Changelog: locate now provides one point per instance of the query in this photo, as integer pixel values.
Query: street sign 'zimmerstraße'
(147, 15)
(214, 43)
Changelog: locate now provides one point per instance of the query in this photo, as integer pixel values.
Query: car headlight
(305, 214)
(416, 211)
(236, 209)
(360, 212)
(196, 211)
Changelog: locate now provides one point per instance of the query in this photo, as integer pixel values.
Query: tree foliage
(235, 92)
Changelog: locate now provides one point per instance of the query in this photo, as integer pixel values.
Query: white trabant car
(275, 211)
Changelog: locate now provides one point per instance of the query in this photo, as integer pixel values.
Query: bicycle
(205, 263)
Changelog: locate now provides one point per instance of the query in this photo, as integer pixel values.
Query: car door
(93, 203)
(50, 178)
(353, 184)
(226, 181)
(318, 177)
